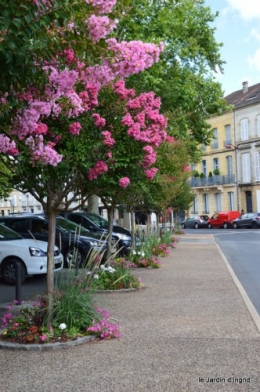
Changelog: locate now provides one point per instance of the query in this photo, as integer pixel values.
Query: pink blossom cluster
(100, 168)
(150, 173)
(99, 27)
(124, 182)
(122, 91)
(103, 328)
(186, 168)
(132, 57)
(102, 6)
(74, 128)
(145, 122)
(107, 139)
(99, 121)
(150, 156)
(7, 146)
(44, 154)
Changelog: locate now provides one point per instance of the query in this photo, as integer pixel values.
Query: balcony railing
(211, 181)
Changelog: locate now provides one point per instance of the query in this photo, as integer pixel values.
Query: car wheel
(209, 226)
(225, 225)
(9, 271)
(235, 226)
(74, 258)
(196, 226)
(254, 225)
(183, 226)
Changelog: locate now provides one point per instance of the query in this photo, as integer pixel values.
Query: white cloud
(254, 61)
(255, 33)
(248, 9)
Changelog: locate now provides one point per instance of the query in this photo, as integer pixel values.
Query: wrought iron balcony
(212, 181)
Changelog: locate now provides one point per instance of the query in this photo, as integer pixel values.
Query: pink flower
(43, 338)
(124, 182)
(150, 173)
(75, 128)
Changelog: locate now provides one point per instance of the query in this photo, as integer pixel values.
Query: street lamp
(230, 146)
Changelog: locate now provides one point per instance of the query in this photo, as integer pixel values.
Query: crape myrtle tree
(158, 195)
(47, 126)
(185, 76)
(132, 129)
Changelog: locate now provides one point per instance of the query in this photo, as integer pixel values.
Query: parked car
(195, 221)
(75, 242)
(99, 225)
(223, 219)
(29, 253)
(252, 219)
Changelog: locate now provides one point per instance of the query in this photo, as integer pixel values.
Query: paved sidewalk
(190, 330)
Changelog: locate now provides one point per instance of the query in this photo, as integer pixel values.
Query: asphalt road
(241, 248)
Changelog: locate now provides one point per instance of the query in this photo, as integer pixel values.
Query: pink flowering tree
(76, 124)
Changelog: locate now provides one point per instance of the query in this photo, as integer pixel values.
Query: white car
(30, 253)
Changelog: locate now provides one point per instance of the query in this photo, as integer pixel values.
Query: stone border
(117, 291)
(46, 346)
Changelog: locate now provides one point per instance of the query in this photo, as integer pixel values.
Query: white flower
(134, 252)
(62, 326)
(142, 254)
(111, 269)
(96, 276)
(88, 273)
(102, 267)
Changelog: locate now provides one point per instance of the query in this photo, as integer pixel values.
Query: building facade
(228, 177)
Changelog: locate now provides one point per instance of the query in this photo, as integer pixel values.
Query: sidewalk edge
(252, 310)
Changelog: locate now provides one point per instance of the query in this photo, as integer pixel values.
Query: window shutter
(244, 129)
(246, 168)
(257, 166)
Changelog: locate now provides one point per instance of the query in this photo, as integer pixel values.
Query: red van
(223, 219)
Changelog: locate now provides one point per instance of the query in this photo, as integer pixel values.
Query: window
(229, 166)
(195, 205)
(215, 164)
(231, 201)
(246, 170)
(244, 129)
(257, 166)
(218, 201)
(204, 167)
(214, 145)
(228, 134)
(206, 202)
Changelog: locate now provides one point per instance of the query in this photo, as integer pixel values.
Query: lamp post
(235, 147)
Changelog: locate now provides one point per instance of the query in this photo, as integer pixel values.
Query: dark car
(252, 219)
(195, 221)
(74, 242)
(98, 224)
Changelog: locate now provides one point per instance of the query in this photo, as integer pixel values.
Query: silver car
(195, 221)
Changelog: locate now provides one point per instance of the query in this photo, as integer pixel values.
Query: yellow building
(214, 178)
(228, 177)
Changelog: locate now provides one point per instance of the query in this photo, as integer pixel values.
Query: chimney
(245, 87)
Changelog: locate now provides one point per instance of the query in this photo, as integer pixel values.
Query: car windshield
(8, 234)
(98, 220)
(66, 226)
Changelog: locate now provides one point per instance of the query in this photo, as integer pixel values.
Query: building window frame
(244, 129)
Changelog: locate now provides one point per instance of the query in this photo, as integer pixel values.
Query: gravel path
(188, 330)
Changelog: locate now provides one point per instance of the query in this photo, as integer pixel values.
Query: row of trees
(78, 117)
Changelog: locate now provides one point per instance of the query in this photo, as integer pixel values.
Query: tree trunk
(133, 229)
(93, 202)
(110, 217)
(50, 269)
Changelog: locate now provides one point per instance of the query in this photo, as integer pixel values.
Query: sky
(238, 28)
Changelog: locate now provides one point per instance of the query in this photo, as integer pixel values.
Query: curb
(46, 346)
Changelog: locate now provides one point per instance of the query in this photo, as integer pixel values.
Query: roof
(244, 96)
